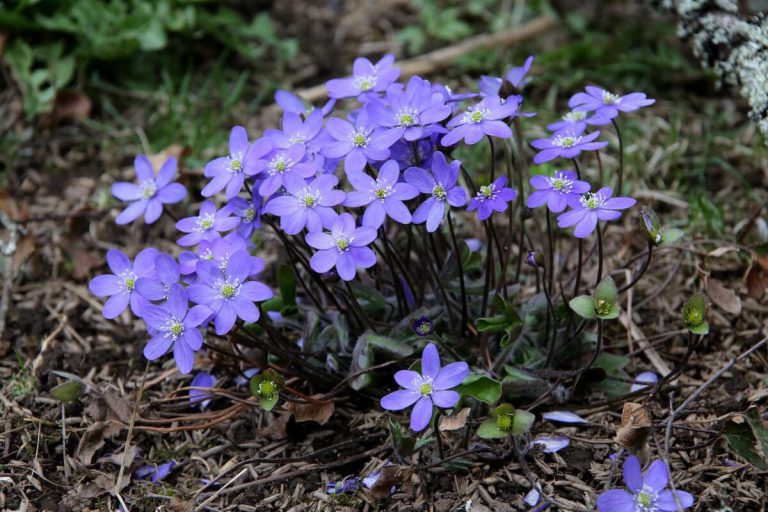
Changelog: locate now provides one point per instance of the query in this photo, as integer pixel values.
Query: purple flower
(557, 192)
(411, 113)
(198, 396)
(403, 152)
(249, 212)
(492, 198)
(517, 76)
(440, 185)
(383, 196)
(307, 205)
(219, 252)
(229, 172)
(430, 388)
(297, 131)
(593, 206)
(294, 104)
(348, 485)
(646, 491)
(207, 225)
(573, 122)
(483, 119)
(174, 324)
(366, 79)
(283, 162)
(358, 142)
(644, 380)
(423, 326)
(156, 287)
(345, 247)
(154, 472)
(228, 293)
(151, 193)
(607, 105)
(120, 286)
(489, 85)
(565, 144)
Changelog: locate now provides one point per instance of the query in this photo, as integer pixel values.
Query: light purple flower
(154, 472)
(348, 485)
(574, 122)
(484, 118)
(492, 198)
(565, 144)
(249, 212)
(441, 186)
(198, 396)
(305, 204)
(174, 324)
(607, 105)
(295, 104)
(229, 294)
(207, 225)
(229, 172)
(282, 162)
(517, 75)
(593, 207)
(218, 252)
(563, 417)
(366, 80)
(151, 193)
(432, 387)
(644, 380)
(647, 492)
(403, 152)
(383, 196)
(345, 248)
(557, 191)
(297, 131)
(551, 444)
(411, 113)
(120, 286)
(156, 287)
(358, 142)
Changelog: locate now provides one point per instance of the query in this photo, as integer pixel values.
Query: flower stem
(493, 158)
(621, 157)
(460, 265)
(437, 285)
(438, 438)
(581, 242)
(488, 267)
(599, 255)
(551, 247)
(641, 272)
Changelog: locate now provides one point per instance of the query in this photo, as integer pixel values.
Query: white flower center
(359, 138)
(561, 183)
(565, 142)
(475, 114)
(174, 328)
(279, 164)
(236, 163)
(592, 200)
(249, 214)
(574, 115)
(343, 243)
(439, 192)
(129, 280)
(407, 116)
(297, 138)
(228, 289)
(148, 189)
(205, 222)
(382, 192)
(423, 385)
(364, 82)
(645, 500)
(487, 192)
(610, 98)
(308, 199)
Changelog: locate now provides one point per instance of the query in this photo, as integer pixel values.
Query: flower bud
(423, 326)
(535, 259)
(652, 226)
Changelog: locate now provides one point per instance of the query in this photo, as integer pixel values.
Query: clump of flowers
(647, 492)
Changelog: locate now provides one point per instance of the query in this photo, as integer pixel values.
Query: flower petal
(399, 400)
(451, 375)
(421, 414)
(616, 500)
(633, 474)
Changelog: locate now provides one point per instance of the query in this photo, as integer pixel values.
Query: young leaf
(481, 388)
(489, 430)
(522, 422)
(584, 306)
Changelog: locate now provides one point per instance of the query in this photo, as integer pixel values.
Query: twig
(130, 433)
(213, 496)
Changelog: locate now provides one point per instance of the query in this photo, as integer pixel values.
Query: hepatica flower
(295, 104)
(206, 225)
(483, 119)
(383, 196)
(358, 142)
(442, 188)
(366, 79)
(297, 131)
(229, 172)
(229, 294)
(283, 162)
(149, 195)
(492, 198)
(249, 212)
(305, 204)
(566, 144)
(647, 492)
(345, 247)
(410, 113)
(431, 387)
(517, 75)
(174, 324)
(154, 472)
(593, 207)
(573, 122)
(120, 286)
(607, 105)
(198, 396)
(557, 191)
(156, 287)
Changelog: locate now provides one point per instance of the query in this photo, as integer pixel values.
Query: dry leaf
(455, 421)
(69, 104)
(174, 150)
(757, 277)
(275, 431)
(313, 411)
(633, 432)
(724, 297)
(93, 440)
(720, 251)
(391, 476)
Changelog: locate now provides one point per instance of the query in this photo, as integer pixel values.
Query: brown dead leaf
(69, 104)
(757, 277)
(454, 422)
(725, 298)
(633, 432)
(312, 411)
(94, 438)
(391, 476)
(174, 150)
(24, 249)
(110, 406)
(721, 251)
(275, 431)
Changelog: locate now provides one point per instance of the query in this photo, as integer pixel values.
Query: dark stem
(640, 272)
(551, 260)
(599, 255)
(621, 156)
(460, 265)
(493, 158)
(438, 438)
(488, 268)
(437, 284)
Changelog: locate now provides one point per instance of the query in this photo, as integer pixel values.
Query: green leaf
(695, 314)
(69, 391)
(760, 430)
(700, 329)
(606, 290)
(741, 439)
(670, 236)
(362, 358)
(403, 445)
(286, 281)
(611, 363)
(389, 345)
(481, 388)
(522, 422)
(489, 430)
(584, 306)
